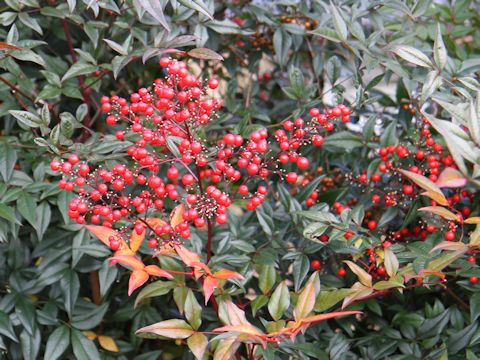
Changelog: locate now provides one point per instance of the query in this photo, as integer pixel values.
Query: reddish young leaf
(137, 279)
(173, 328)
(188, 257)
(153, 222)
(128, 261)
(4, 45)
(451, 178)
(227, 274)
(154, 270)
(209, 285)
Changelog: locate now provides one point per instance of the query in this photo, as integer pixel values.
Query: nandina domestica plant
(181, 181)
(172, 163)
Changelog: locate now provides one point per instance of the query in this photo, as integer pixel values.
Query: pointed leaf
(108, 343)
(427, 185)
(305, 302)
(104, 233)
(412, 55)
(128, 261)
(174, 329)
(439, 50)
(363, 276)
(209, 285)
(188, 257)
(176, 217)
(451, 178)
(391, 262)
(57, 343)
(279, 301)
(137, 279)
(227, 274)
(154, 270)
(197, 343)
(440, 211)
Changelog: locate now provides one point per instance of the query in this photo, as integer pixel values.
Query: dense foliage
(288, 161)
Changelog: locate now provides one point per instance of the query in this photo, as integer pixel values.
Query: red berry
(372, 224)
(473, 280)
(341, 272)
(315, 264)
(292, 177)
(450, 236)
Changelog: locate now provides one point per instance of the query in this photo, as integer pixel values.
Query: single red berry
(450, 236)
(292, 177)
(315, 264)
(472, 259)
(473, 280)
(381, 270)
(341, 272)
(372, 224)
(152, 243)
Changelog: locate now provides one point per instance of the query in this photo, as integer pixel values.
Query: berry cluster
(170, 162)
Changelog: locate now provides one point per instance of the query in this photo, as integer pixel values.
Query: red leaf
(129, 261)
(137, 279)
(4, 45)
(209, 284)
(227, 274)
(154, 270)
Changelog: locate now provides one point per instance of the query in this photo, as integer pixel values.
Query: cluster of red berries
(172, 163)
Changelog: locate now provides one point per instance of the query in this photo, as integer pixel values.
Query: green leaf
(279, 301)
(259, 302)
(343, 140)
(155, 9)
(116, 46)
(43, 215)
(266, 277)
(193, 310)
(439, 51)
(70, 285)
(338, 23)
(328, 298)
(431, 84)
(197, 343)
(197, 5)
(326, 33)
(83, 348)
(27, 118)
(30, 344)
(8, 159)
(30, 22)
(88, 318)
(6, 327)
(301, 265)
(282, 42)
(26, 313)
(107, 275)
(57, 343)
(28, 55)
(26, 205)
(8, 213)
(460, 340)
(79, 68)
(157, 288)
(173, 328)
(412, 55)
(205, 54)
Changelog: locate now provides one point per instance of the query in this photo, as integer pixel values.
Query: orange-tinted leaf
(305, 302)
(432, 190)
(209, 285)
(231, 314)
(245, 329)
(90, 335)
(153, 222)
(226, 349)
(227, 274)
(124, 252)
(427, 272)
(104, 233)
(363, 276)
(4, 45)
(154, 270)
(360, 291)
(451, 178)
(136, 240)
(188, 257)
(440, 211)
(202, 266)
(176, 216)
(129, 261)
(197, 343)
(137, 279)
(472, 220)
(174, 329)
(451, 246)
(323, 317)
(108, 343)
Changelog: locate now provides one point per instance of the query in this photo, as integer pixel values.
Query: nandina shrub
(180, 186)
